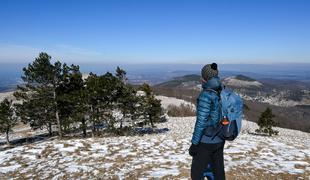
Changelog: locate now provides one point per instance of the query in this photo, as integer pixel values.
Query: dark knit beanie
(209, 71)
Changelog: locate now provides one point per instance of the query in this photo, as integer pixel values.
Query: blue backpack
(232, 111)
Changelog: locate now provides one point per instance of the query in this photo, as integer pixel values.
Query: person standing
(206, 149)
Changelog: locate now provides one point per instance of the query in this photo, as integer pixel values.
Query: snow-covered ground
(158, 156)
(286, 156)
(166, 101)
(232, 81)
(8, 95)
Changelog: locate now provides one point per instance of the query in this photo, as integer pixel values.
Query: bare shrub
(184, 110)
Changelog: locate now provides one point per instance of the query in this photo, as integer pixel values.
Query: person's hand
(193, 150)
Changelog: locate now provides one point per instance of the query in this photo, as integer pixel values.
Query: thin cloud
(17, 53)
(67, 53)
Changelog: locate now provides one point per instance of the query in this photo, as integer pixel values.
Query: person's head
(209, 71)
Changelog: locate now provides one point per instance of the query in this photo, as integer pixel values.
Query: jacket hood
(213, 83)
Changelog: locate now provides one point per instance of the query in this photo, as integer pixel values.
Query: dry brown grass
(77, 152)
(67, 145)
(86, 145)
(181, 111)
(259, 174)
(46, 151)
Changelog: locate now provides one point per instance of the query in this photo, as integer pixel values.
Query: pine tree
(147, 89)
(266, 123)
(151, 106)
(154, 110)
(126, 104)
(38, 95)
(90, 99)
(7, 118)
(101, 95)
(126, 99)
(42, 81)
(70, 94)
(80, 112)
(121, 74)
(37, 111)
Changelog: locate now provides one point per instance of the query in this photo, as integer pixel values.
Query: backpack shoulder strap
(218, 93)
(212, 90)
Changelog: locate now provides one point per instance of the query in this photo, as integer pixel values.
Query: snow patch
(7, 169)
(231, 81)
(166, 101)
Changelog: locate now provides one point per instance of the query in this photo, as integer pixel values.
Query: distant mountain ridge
(244, 78)
(289, 99)
(179, 81)
(272, 91)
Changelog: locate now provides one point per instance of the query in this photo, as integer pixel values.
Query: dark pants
(209, 162)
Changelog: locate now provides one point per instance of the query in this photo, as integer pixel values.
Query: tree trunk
(84, 126)
(7, 137)
(93, 130)
(151, 120)
(57, 116)
(50, 129)
(93, 122)
(121, 124)
(58, 123)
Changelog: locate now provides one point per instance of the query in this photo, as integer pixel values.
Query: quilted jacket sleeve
(202, 114)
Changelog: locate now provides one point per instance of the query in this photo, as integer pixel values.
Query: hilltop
(163, 156)
(181, 81)
(241, 81)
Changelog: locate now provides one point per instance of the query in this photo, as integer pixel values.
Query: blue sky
(158, 31)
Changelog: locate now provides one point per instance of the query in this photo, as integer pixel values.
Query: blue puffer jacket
(208, 112)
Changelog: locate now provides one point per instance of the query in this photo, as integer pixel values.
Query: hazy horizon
(301, 70)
